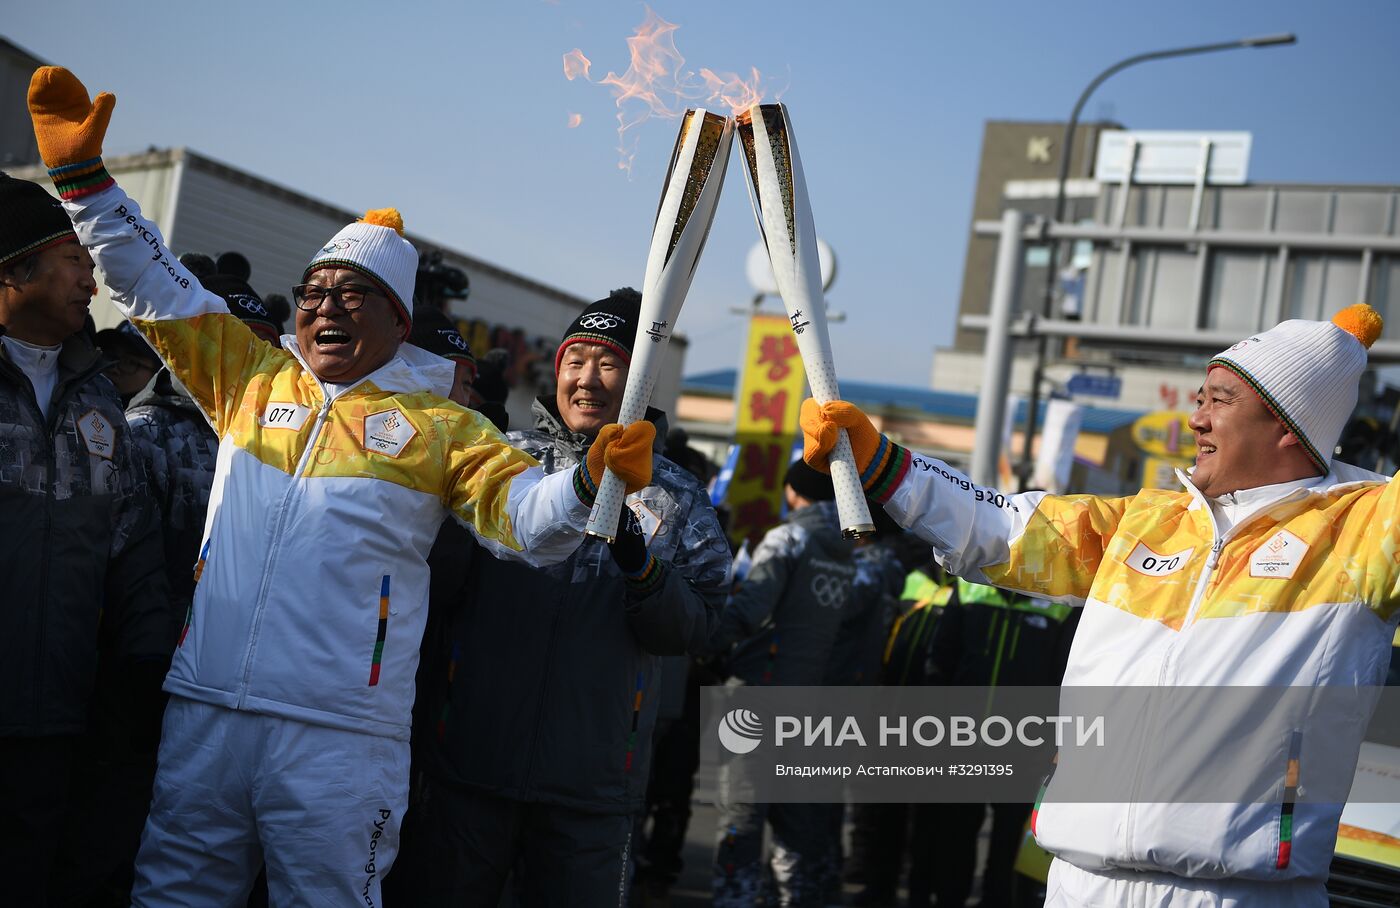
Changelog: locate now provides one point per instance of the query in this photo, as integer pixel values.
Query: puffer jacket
(179, 450)
(553, 675)
(783, 621)
(82, 548)
(313, 576)
(1300, 591)
(860, 640)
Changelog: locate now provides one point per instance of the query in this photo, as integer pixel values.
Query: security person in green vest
(985, 638)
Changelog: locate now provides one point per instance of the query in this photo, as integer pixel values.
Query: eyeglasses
(348, 297)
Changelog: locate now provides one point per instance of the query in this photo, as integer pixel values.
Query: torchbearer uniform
(286, 739)
(1287, 585)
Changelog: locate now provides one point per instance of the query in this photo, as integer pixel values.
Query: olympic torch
(779, 195)
(683, 218)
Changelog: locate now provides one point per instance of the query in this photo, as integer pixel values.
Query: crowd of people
(300, 619)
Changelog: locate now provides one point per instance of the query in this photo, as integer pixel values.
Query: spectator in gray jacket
(781, 627)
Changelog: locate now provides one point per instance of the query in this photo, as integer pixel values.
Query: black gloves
(629, 546)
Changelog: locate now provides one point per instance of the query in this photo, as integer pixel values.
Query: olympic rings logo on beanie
(250, 304)
(601, 321)
(455, 338)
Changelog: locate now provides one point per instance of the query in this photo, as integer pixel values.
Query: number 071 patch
(284, 416)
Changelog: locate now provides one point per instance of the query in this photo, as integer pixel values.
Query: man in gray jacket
(548, 692)
(781, 627)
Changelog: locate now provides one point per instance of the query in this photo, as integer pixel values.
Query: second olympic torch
(683, 220)
(779, 194)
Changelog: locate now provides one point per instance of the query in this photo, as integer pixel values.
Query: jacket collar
(548, 421)
(1244, 506)
(410, 370)
(79, 356)
(1340, 476)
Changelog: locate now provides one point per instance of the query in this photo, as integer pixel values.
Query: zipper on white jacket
(1202, 584)
(1222, 538)
(275, 545)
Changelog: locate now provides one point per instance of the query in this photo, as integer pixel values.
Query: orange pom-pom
(384, 217)
(1361, 322)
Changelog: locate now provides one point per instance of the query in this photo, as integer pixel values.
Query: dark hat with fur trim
(610, 323)
(31, 220)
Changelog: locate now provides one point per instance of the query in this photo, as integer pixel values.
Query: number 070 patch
(1145, 561)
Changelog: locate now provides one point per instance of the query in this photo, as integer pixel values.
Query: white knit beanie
(375, 247)
(1307, 374)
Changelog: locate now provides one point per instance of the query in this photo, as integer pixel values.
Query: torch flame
(576, 64)
(656, 84)
(575, 120)
(651, 86)
(732, 91)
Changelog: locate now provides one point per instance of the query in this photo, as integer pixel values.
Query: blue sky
(456, 114)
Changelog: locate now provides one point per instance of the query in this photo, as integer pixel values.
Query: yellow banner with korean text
(771, 387)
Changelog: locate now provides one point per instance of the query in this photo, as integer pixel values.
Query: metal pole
(1066, 147)
(996, 361)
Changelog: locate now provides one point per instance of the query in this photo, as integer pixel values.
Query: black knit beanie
(610, 322)
(242, 300)
(435, 332)
(31, 220)
(809, 483)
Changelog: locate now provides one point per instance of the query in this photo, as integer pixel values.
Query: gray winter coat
(554, 673)
(179, 450)
(81, 546)
(783, 620)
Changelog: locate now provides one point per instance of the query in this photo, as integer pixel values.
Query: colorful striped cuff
(584, 488)
(886, 471)
(83, 178)
(648, 579)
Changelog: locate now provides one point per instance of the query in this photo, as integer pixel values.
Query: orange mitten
(69, 128)
(819, 425)
(626, 450)
(882, 464)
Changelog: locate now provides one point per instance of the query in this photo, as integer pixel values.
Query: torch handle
(607, 507)
(612, 494)
(850, 494)
(683, 220)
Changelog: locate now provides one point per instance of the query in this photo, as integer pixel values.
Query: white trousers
(233, 789)
(1072, 887)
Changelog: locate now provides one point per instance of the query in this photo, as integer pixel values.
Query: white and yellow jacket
(1299, 591)
(313, 579)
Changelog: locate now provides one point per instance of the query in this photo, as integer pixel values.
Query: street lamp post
(1066, 148)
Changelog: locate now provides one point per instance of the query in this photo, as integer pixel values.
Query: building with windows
(1169, 264)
